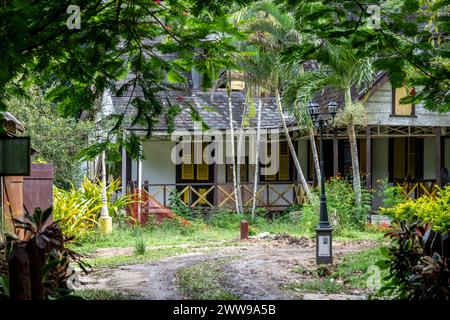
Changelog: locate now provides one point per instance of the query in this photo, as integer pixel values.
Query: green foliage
(78, 209)
(343, 213)
(412, 274)
(57, 139)
(46, 240)
(177, 205)
(435, 210)
(139, 246)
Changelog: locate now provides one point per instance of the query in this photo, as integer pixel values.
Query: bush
(178, 206)
(77, 210)
(342, 211)
(435, 210)
(412, 274)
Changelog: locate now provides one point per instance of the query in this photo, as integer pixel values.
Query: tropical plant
(177, 205)
(434, 210)
(412, 274)
(44, 245)
(78, 209)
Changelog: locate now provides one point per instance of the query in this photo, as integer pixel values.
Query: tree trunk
(258, 140)
(291, 146)
(354, 153)
(315, 155)
(238, 167)
(235, 185)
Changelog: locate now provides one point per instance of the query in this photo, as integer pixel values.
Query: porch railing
(416, 189)
(272, 196)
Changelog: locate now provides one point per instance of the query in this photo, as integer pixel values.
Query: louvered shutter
(202, 171)
(271, 177)
(402, 109)
(399, 158)
(283, 173)
(187, 170)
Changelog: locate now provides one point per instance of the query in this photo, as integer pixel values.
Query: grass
(204, 281)
(102, 294)
(139, 247)
(148, 256)
(353, 270)
(348, 274)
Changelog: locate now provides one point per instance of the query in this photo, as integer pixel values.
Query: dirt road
(256, 269)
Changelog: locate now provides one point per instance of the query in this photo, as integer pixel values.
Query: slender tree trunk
(291, 146)
(258, 141)
(315, 155)
(238, 167)
(230, 111)
(354, 153)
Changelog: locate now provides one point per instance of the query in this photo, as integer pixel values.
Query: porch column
(335, 153)
(368, 158)
(124, 171)
(139, 184)
(438, 156)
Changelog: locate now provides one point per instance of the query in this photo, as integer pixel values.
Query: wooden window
(203, 172)
(187, 169)
(399, 109)
(202, 191)
(405, 158)
(284, 171)
(284, 160)
(244, 171)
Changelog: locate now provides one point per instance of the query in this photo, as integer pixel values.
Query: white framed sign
(324, 246)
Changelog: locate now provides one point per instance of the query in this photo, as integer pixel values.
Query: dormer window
(399, 109)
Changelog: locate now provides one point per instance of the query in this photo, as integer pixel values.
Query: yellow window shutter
(362, 156)
(187, 171)
(402, 109)
(202, 171)
(283, 173)
(399, 158)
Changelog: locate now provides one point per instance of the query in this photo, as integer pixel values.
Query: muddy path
(254, 270)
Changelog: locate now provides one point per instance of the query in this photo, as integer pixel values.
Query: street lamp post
(324, 253)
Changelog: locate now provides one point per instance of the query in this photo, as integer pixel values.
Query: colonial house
(403, 143)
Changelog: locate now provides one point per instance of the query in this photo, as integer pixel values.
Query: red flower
(156, 1)
(412, 92)
(180, 99)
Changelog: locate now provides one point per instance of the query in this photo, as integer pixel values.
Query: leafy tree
(411, 42)
(117, 38)
(57, 139)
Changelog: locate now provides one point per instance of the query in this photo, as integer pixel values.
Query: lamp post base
(105, 224)
(324, 248)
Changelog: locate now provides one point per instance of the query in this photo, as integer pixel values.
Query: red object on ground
(244, 230)
(152, 211)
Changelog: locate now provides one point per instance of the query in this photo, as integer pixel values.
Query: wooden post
(244, 230)
(13, 203)
(368, 158)
(19, 273)
(438, 156)
(335, 153)
(124, 171)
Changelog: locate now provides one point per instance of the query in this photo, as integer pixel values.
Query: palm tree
(341, 68)
(271, 30)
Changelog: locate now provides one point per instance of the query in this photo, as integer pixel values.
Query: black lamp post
(324, 253)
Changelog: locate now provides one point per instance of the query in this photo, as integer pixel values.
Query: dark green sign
(15, 156)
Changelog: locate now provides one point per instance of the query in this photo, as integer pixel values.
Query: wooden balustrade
(272, 196)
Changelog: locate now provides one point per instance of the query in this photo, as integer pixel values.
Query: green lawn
(350, 273)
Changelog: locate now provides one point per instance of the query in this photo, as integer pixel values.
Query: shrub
(342, 211)
(177, 205)
(412, 274)
(435, 210)
(77, 210)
